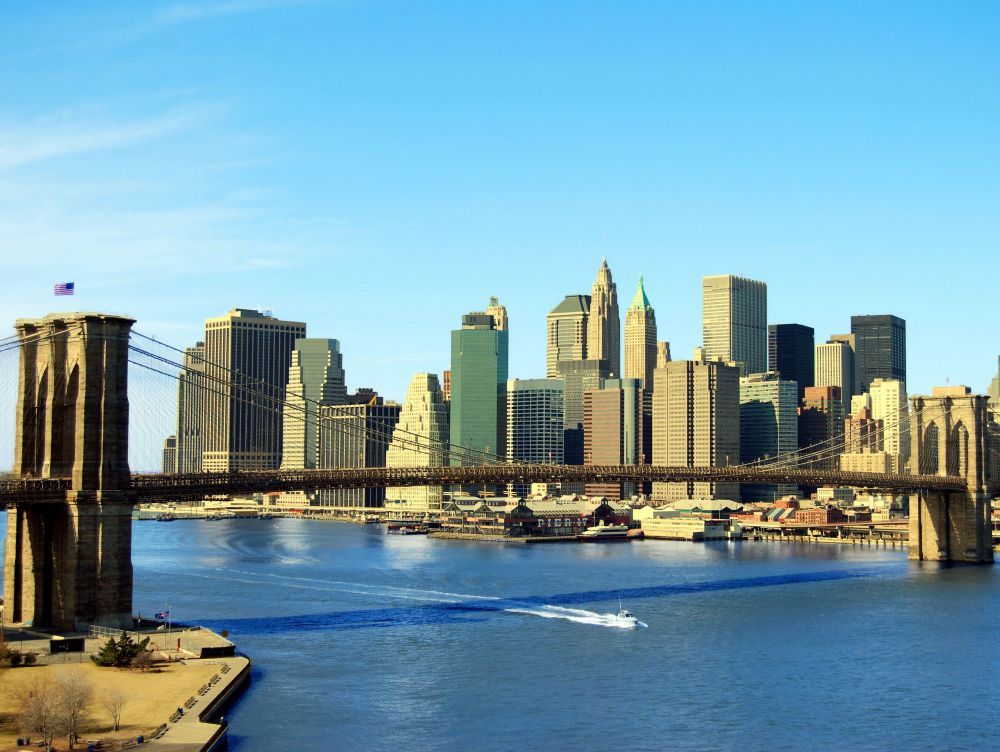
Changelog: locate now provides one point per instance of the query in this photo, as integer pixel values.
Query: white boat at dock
(605, 533)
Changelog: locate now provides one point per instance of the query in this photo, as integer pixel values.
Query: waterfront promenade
(177, 679)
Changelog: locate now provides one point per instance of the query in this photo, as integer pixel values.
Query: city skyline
(338, 327)
(171, 189)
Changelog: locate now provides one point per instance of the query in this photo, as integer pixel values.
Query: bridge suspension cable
(278, 403)
(836, 445)
(296, 412)
(829, 448)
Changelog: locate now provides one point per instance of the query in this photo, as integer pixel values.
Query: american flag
(63, 288)
(161, 615)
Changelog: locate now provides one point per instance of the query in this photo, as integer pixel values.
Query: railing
(97, 630)
(29, 489)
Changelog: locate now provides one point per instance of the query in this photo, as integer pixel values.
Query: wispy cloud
(186, 12)
(45, 140)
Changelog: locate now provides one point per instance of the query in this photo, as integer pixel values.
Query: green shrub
(121, 652)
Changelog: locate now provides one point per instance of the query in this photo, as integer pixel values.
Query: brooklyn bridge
(69, 499)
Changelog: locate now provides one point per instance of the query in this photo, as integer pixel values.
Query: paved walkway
(188, 733)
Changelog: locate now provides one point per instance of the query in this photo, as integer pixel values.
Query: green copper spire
(640, 300)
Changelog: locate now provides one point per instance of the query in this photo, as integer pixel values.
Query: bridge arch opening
(928, 460)
(958, 451)
(35, 464)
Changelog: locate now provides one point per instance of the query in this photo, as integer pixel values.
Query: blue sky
(377, 169)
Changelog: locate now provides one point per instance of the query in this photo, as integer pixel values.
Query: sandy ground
(152, 696)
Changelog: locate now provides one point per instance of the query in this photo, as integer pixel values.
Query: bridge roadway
(197, 485)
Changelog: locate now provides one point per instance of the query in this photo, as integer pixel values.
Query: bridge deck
(159, 486)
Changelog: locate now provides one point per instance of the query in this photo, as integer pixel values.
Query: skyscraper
(769, 427)
(247, 354)
(567, 332)
(190, 404)
(696, 423)
(821, 427)
(612, 431)
(790, 354)
(640, 339)
(603, 325)
(420, 439)
(578, 376)
(880, 348)
(862, 433)
(315, 377)
(499, 314)
(662, 354)
(852, 342)
(354, 436)
(170, 455)
(835, 367)
(864, 448)
(889, 405)
(534, 423)
(640, 362)
(478, 388)
(734, 321)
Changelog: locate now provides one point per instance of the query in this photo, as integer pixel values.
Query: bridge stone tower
(950, 436)
(68, 560)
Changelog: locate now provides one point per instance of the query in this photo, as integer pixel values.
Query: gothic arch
(928, 459)
(958, 450)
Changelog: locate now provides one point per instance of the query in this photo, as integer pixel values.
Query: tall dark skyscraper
(790, 353)
(247, 354)
(880, 348)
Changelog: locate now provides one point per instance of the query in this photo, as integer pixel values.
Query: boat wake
(578, 615)
(359, 588)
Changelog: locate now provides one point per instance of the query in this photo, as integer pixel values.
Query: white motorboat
(624, 617)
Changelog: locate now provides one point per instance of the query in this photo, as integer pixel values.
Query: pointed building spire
(604, 326)
(640, 339)
(640, 300)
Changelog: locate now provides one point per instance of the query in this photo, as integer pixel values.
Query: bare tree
(40, 709)
(113, 700)
(142, 661)
(74, 693)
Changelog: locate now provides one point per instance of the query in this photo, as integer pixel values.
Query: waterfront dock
(201, 727)
(516, 540)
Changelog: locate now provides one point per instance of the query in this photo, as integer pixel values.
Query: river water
(366, 641)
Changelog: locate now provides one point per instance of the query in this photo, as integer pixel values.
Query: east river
(366, 641)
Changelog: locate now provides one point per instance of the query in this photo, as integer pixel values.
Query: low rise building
(818, 516)
(693, 519)
(518, 518)
(836, 495)
(684, 528)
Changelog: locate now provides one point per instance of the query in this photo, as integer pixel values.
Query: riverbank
(201, 687)
(521, 540)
